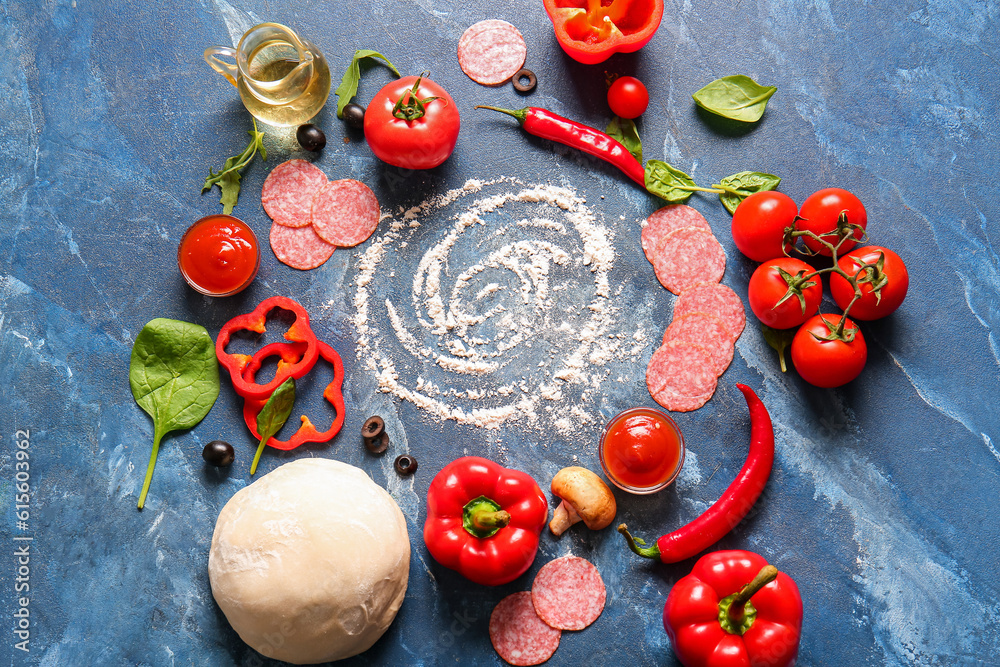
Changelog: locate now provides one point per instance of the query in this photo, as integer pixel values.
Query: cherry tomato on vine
(759, 224)
(828, 363)
(820, 213)
(627, 97)
(412, 123)
(871, 306)
(768, 286)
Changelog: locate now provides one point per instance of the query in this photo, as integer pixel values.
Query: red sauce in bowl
(642, 450)
(219, 255)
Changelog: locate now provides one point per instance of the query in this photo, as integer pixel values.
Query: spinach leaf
(273, 416)
(228, 178)
(348, 87)
(735, 97)
(670, 183)
(739, 186)
(174, 376)
(624, 131)
(780, 340)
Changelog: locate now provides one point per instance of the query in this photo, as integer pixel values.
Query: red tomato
(768, 287)
(759, 224)
(870, 306)
(421, 143)
(828, 363)
(821, 211)
(627, 97)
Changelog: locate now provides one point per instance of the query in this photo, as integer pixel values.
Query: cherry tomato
(828, 363)
(821, 211)
(768, 287)
(759, 224)
(423, 142)
(627, 97)
(870, 306)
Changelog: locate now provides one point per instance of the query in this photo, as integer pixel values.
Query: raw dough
(310, 563)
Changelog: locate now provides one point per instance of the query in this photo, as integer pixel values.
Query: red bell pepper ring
(307, 432)
(590, 31)
(734, 609)
(484, 520)
(256, 321)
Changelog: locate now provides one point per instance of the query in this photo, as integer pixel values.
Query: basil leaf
(174, 376)
(668, 182)
(624, 131)
(735, 97)
(348, 87)
(739, 186)
(273, 416)
(780, 340)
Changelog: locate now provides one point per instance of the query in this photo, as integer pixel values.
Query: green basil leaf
(624, 131)
(739, 186)
(174, 376)
(273, 416)
(780, 340)
(348, 87)
(735, 97)
(668, 182)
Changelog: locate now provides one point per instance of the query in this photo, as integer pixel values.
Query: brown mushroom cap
(587, 494)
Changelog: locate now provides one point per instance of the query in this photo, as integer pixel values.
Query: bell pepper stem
(483, 517)
(736, 612)
(490, 520)
(637, 546)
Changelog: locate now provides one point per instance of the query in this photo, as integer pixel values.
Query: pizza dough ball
(310, 562)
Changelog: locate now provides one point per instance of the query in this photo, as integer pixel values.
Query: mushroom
(585, 497)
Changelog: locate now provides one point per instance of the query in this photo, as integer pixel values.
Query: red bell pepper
(484, 520)
(256, 321)
(590, 31)
(734, 610)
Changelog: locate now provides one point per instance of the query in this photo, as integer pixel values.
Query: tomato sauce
(219, 255)
(642, 450)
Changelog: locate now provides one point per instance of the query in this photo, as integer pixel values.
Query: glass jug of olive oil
(282, 79)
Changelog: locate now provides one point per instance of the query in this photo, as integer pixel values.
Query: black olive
(405, 464)
(218, 453)
(524, 81)
(373, 427)
(354, 115)
(310, 137)
(378, 444)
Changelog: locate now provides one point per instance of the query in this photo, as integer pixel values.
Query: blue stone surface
(883, 500)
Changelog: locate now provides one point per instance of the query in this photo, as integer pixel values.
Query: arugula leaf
(735, 97)
(780, 340)
(624, 131)
(348, 87)
(174, 376)
(739, 186)
(273, 416)
(228, 178)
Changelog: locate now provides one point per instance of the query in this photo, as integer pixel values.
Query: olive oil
(284, 105)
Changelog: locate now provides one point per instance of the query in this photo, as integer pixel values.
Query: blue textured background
(883, 500)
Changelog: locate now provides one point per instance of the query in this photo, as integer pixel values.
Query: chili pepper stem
(149, 469)
(634, 544)
(520, 114)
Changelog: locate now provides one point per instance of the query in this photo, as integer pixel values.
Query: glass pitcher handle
(230, 71)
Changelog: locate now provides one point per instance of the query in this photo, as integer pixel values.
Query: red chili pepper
(592, 33)
(547, 125)
(256, 321)
(712, 620)
(484, 520)
(732, 506)
(289, 353)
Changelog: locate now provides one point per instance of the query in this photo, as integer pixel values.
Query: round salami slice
(713, 299)
(491, 52)
(688, 256)
(568, 593)
(708, 331)
(680, 376)
(668, 219)
(345, 213)
(288, 192)
(518, 635)
(299, 247)
(674, 402)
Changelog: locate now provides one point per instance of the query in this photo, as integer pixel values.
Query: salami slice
(288, 192)
(345, 213)
(518, 635)
(708, 331)
(491, 52)
(713, 299)
(688, 256)
(680, 376)
(568, 593)
(671, 400)
(299, 247)
(668, 219)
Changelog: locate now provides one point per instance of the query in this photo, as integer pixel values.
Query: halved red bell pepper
(483, 520)
(590, 31)
(299, 331)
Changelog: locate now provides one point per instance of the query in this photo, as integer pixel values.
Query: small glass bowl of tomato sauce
(219, 255)
(641, 450)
